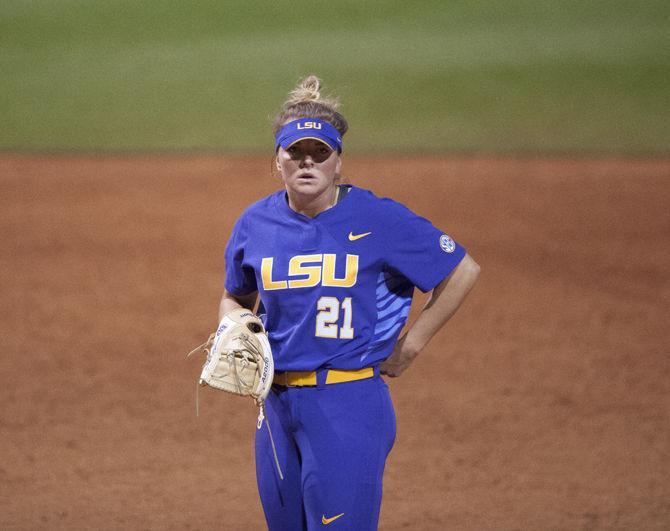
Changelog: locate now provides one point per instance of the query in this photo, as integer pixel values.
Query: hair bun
(305, 101)
(306, 90)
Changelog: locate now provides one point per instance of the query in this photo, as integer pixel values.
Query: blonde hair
(305, 101)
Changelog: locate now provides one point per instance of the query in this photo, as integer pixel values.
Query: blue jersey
(335, 289)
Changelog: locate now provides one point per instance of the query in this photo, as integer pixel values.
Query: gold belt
(304, 378)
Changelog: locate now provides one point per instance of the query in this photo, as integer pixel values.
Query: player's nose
(306, 161)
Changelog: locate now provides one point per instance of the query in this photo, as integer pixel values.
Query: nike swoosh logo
(353, 238)
(326, 521)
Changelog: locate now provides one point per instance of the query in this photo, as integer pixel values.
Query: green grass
(428, 76)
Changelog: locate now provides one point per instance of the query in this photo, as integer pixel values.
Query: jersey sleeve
(240, 277)
(418, 250)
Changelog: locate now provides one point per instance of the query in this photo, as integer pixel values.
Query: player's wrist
(410, 348)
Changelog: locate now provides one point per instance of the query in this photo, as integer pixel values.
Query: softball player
(334, 267)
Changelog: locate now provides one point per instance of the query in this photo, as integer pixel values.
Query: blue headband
(314, 128)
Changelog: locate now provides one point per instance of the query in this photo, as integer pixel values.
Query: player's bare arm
(230, 302)
(444, 300)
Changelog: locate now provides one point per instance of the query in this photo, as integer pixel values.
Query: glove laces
(261, 417)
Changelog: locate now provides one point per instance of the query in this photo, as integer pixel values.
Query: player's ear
(275, 169)
(338, 165)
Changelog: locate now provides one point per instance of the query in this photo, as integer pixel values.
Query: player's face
(308, 167)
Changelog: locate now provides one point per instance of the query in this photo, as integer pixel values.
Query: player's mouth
(307, 176)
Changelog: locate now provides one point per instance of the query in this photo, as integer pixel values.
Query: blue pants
(332, 442)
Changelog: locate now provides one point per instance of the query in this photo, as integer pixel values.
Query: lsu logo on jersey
(310, 270)
(309, 125)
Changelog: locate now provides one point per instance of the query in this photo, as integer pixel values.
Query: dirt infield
(544, 404)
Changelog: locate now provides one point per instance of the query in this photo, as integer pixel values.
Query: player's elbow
(470, 269)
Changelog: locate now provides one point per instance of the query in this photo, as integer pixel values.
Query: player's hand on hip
(399, 360)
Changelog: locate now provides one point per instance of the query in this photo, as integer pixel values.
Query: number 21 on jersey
(328, 318)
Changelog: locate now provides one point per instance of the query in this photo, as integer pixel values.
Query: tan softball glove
(239, 358)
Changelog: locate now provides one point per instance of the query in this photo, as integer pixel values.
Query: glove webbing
(208, 352)
(249, 347)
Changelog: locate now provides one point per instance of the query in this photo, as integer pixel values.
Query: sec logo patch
(447, 244)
